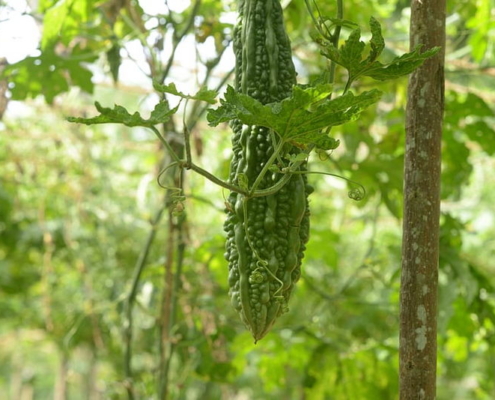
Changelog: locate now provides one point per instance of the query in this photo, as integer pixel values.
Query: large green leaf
(49, 75)
(160, 114)
(63, 21)
(299, 118)
(351, 57)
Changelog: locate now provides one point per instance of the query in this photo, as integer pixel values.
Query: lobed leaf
(350, 56)
(120, 115)
(399, 66)
(299, 118)
(351, 52)
(377, 42)
(204, 94)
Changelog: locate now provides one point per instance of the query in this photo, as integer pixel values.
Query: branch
(129, 302)
(178, 39)
(171, 285)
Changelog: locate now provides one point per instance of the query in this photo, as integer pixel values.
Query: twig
(178, 39)
(170, 288)
(129, 302)
(171, 300)
(336, 37)
(165, 326)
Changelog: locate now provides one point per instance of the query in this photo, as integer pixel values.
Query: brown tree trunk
(420, 248)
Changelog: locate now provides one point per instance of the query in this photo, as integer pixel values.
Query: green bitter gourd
(266, 236)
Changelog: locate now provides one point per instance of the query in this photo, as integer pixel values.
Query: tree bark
(422, 167)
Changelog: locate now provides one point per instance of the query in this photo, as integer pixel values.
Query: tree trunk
(420, 248)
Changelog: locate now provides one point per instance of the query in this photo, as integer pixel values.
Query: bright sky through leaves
(20, 34)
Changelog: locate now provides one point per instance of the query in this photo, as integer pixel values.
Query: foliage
(76, 204)
(300, 118)
(160, 114)
(350, 56)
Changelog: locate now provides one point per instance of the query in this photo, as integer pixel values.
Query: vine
(303, 120)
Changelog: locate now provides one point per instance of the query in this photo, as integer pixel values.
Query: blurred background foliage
(79, 205)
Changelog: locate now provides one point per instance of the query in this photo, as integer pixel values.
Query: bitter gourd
(266, 236)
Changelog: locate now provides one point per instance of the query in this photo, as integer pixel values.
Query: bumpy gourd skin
(266, 236)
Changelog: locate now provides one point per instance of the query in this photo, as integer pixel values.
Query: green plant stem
(187, 141)
(170, 300)
(274, 144)
(214, 179)
(258, 193)
(166, 144)
(181, 247)
(248, 194)
(330, 174)
(129, 302)
(332, 37)
(165, 311)
(273, 189)
(315, 21)
(335, 40)
(347, 85)
(168, 310)
(266, 167)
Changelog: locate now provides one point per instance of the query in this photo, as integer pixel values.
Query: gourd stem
(330, 174)
(268, 164)
(274, 144)
(347, 86)
(315, 21)
(281, 183)
(187, 143)
(272, 189)
(257, 193)
(213, 178)
(171, 165)
(166, 144)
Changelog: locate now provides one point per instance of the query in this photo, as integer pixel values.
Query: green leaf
(377, 43)
(63, 21)
(482, 133)
(351, 52)
(481, 23)
(460, 106)
(456, 168)
(323, 142)
(340, 22)
(399, 66)
(299, 118)
(53, 23)
(49, 75)
(204, 94)
(350, 56)
(120, 115)
(332, 53)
